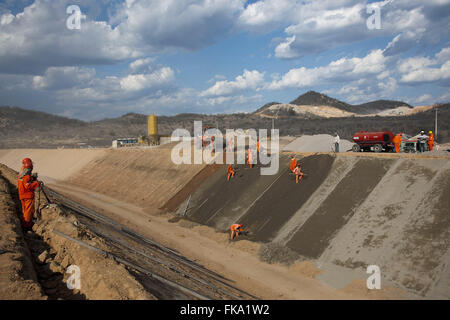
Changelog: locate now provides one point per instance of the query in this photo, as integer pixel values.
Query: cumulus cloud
(317, 26)
(58, 78)
(419, 69)
(186, 24)
(37, 38)
(345, 69)
(249, 80)
(134, 82)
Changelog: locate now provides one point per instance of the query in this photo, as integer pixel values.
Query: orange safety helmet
(27, 163)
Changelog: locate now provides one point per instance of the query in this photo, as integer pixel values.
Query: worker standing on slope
(397, 141)
(422, 139)
(293, 163)
(230, 171)
(298, 173)
(337, 140)
(26, 186)
(430, 140)
(236, 230)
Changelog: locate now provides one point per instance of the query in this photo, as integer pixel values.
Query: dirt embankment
(144, 177)
(36, 263)
(18, 278)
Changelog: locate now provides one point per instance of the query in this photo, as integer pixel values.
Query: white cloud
(187, 24)
(345, 69)
(57, 78)
(134, 82)
(38, 38)
(249, 80)
(424, 69)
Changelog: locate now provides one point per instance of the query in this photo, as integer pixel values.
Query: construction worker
(293, 163)
(397, 141)
(26, 185)
(257, 145)
(230, 171)
(430, 140)
(422, 139)
(337, 140)
(235, 230)
(298, 173)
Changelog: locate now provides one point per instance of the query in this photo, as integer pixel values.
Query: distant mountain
(21, 128)
(312, 98)
(313, 103)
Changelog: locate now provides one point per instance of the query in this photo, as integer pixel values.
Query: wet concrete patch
(285, 197)
(317, 232)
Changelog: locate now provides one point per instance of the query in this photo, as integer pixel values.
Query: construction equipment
(377, 141)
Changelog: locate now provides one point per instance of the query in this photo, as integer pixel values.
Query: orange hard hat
(27, 163)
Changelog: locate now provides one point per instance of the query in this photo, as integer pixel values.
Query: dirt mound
(317, 143)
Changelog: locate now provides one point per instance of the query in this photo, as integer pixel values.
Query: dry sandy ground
(317, 143)
(135, 183)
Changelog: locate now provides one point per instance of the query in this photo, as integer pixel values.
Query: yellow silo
(152, 125)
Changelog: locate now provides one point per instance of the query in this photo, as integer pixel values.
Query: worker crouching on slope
(230, 171)
(235, 230)
(397, 140)
(298, 173)
(26, 185)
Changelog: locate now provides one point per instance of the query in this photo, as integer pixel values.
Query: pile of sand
(317, 143)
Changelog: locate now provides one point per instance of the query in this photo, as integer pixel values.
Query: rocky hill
(312, 104)
(21, 128)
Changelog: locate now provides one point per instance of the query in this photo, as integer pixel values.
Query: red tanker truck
(377, 141)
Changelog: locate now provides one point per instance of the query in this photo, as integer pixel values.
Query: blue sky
(217, 56)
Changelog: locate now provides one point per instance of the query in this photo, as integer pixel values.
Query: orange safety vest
(293, 164)
(235, 227)
(26, 187)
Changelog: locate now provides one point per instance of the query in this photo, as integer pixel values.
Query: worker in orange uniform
(26, 185)
(235, 230)
(257, 145)
(293, 163)
(230, 171)
(397, 140)
(298, 173)
(250, 157)
(430, 140)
